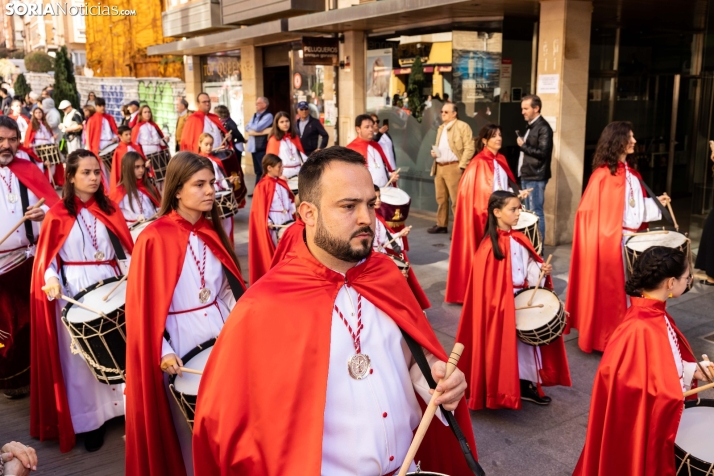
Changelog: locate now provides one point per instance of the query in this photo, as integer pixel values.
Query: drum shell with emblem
(185, 389)
(49, 153)
(395, 206)
(102, 339)
(539, 325)
(231, 164)
(636, 245)
(528, 225)
(693, 450)
(107, 153)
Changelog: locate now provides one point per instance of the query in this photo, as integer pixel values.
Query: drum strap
(662, 209)
(395, 247)
(514, 186)
(25, 200)
(234, 284)
(423, 364)
(116, 244)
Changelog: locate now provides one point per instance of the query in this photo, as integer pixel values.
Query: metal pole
(673, 132)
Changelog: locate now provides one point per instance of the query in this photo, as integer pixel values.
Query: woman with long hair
(637, 395)
(147, 133)
(40, 133)
(91, 97)
(615, 203)
(285, 143)
(184, 281)
(500, 369)
(136, 196)
(84, 237)
(223, 181)
(88, 110)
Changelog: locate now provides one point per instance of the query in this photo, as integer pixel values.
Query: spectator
(452, 152)
(382, 137)
(88, 112)
(10, 90)
(53, 116)
(125, 116)
(32, 100)
(237, 138)
(446, 98)
(6, 101)
(71, 126)
(313, 135)
(17, 459)
(16, 112)
(258, 129)
(183, 113)
(534, 161)
(133, 108)
(24, 110)
(91, 98)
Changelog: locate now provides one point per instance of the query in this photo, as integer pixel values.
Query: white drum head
(394, 196)
(94, 300)
(293, 183)
(108, 149)
(188, 384)
(694, 432)
(640, 243)
(136, 229)
(525, 220)
(536, 317)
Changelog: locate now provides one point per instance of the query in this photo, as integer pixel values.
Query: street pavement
(537, 440)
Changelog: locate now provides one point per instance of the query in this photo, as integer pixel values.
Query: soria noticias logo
(57, 9)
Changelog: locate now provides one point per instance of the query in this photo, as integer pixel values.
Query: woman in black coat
(705, 257)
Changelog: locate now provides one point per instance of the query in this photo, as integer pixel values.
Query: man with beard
(22, 187)
(340, 303)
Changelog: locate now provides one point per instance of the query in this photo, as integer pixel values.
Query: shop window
(221, 79)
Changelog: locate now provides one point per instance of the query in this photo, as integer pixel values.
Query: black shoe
(93, 440)
(529, 392)
(17, 393)
(706, 282)
(250, 195)
(437, 229)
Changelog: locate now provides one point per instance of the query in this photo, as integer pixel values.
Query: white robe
(11, 213)
(292, 158)
(388, 149)
(281, 210)
(376, 167)
(144, 206)
(148, 138)
(107, 134)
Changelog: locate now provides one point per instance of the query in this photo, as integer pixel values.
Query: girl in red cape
(146, 133)
(487, 172)
(125, 145)
(285, 143)
(637, 397)
(184, 281)
(223, 180)
(74, 252)
(502, 370)
(273, 204)
(137, 198)
(40, 133)
(614, 203)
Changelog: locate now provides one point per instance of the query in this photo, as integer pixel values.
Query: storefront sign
(221, 67)
(320, 51)
(548, 83)
(506, 73)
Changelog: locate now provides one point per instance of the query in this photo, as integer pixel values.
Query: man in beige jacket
(183, 113)
(452, 153)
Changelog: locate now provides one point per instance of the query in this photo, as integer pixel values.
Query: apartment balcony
(193, 18)
(249, 12)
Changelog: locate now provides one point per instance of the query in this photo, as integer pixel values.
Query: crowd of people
(115, 291)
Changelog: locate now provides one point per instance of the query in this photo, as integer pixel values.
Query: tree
(65, 86)
(414, 88)
(21, 87)
(38, 62)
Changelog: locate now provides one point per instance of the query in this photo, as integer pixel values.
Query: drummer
(500, 369)
(125, 145)
(136, 196)
(40, 133)
(147, 133)
(637, 395)
(76, 250)
(615, 203)
(374, 157)
(187, 303)
(272, 206)
(101, 132)
(285, 143)
(223, 181)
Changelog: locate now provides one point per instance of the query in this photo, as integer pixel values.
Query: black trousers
(705, 256)
(258, 164)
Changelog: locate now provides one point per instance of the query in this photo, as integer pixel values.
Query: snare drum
(136, 228)
(185, 389)
(49, 153)
(401, 263)
(227, 204)
(12, 259)
(106, 155)
(636, 245)
(693, 451)
(159, 161)
(100, 339)
(293, 184)
(539, 325)
(281, 231)
(395, 206)
(528, 225)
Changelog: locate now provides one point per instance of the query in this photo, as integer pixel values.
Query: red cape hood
(94, 130)
(193, 128)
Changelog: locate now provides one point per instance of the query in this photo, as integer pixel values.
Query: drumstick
(36, 205)
(674, 220)
(401, 233)
(529, 307)
(695, 391)
(277, 226)
(542, 273)
(430, 410)
(225, 139)
(391, 179)
(661, 232)
(116, 286)
(82, 305)
(190, 371)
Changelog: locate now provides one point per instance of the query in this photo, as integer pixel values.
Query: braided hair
(654, 266)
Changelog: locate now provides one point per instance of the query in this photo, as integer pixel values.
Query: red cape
(33, 158)
(94, 130)
(637, 398)
(120, 192)
(290, 239)
(218, 162)
(488, 331)
(49, 410)
(412, 280)
(193, 129)
(31, 177)
(280, 432)
(475, 188)
(596, 263)
(273, 146)
(161, 246)
(260, 243)
(360, 145)
(115, 173)
(30, 135)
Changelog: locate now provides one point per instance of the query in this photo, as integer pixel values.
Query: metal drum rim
(702, 402)
(86, 290)
(561, 312)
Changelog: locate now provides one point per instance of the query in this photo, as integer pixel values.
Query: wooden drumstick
(529, 307)
(399, 234)
(695, 391)
(9, 233)
(225, 139)
(542, 274)
(660, 232)
(391, 179)
(190, 371)
(669, 207)
(82, 305)
(430, 410)
(116, 286)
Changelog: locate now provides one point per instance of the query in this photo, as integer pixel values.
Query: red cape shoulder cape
(291, 238)
(115, 173)
(637, 401)
(31, 177)
(120, 192)
(193, 128)
(280, 433)
(361, 146)
(475, 188)
(488, 331)
(135, 131)
(260, 243)
(273, 146)
(152, 446)
(596, 264)
(94, 130)
(30, 135)
(49, 410)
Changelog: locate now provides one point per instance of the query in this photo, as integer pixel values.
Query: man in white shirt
(71, 126)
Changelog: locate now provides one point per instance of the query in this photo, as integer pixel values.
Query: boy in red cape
(311, 414)
(196, 125)
(493, 357)
(372, 153)
(271, 206)
(637, 396)
(487, 172)
(126, 144)
(94, 127)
